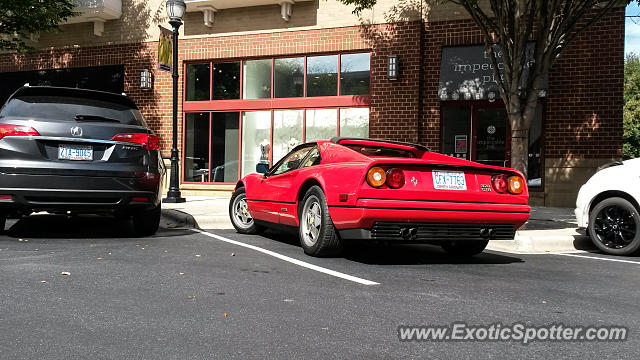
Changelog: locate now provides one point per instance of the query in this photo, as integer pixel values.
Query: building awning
(97, 12)
(209, 7)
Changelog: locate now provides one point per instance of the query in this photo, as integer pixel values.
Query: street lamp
(175, 10)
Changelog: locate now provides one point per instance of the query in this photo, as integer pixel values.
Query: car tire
(466, 248)
(239, 214)
(614, 226)
(146, 223)
(321, 240)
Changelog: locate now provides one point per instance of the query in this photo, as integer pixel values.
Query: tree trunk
(520, 146)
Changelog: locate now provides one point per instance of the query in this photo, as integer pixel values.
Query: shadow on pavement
(399, 254)
(78, 227)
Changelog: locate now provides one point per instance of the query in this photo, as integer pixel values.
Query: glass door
(491, 129)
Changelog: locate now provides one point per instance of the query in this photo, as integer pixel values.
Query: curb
(544, 242)
(177, 219)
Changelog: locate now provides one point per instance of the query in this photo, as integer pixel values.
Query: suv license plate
(449, 180)
(75, 152)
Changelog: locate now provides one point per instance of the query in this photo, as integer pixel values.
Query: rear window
(380, 151)
(73, 109)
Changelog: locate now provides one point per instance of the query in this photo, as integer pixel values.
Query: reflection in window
(256, 79)
(321, 124)
(292, 161)
(354, 122)
(196, 147)
(287, 132)
(288, 77)
(198, 77)
(354, 74)
(224, 146)
(535, 150)
(226, 81)
(256, 147)
(322, 79)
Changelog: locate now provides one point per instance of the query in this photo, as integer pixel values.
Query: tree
(512, 25)
(20, 19)
(631, 117)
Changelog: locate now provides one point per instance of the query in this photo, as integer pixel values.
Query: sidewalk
(550, 229)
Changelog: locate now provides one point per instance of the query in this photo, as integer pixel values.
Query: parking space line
(290, 259)
(601, 258)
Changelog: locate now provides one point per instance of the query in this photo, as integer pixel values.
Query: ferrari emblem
(414, 181)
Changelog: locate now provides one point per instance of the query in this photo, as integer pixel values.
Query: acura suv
(75, 151)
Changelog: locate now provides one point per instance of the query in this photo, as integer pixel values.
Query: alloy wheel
(311, 221)
(615, 227)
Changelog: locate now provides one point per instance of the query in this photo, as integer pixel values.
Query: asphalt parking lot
(85, 288)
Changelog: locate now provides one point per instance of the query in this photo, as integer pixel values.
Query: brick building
(252, 76)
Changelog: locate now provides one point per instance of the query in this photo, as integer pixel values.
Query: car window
(69, 108)
(313, 158)
(380, 151)
(291, 161)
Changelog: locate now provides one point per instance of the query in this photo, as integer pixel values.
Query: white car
(607, 206)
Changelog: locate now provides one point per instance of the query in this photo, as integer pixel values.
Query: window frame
(272, 104)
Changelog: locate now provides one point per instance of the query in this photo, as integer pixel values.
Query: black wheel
(239, 213)
(318, 236)
(464, 248)
(146, 223)
(613, 226)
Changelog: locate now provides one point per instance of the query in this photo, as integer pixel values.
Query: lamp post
(175, 10)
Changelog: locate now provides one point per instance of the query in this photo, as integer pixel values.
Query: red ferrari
(362, 189)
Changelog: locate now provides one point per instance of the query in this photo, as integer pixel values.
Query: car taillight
(499, 183)
(516, 185)
(395, 178)
(376, 176)
(150, 142)
(17, 130)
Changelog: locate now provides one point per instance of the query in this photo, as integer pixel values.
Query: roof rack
(417, 146)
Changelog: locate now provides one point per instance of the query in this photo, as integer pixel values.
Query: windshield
(72, 109)
(381, 151)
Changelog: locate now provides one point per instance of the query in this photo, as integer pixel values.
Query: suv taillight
(150, 142)
(17, 130)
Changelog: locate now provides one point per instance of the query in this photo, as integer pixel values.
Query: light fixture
(491, 96)
(146, 79)
(542, 93)
(393, 67)
(443, 96)
(175, 9)
(455, 96)
(467, 96)
(286, 8)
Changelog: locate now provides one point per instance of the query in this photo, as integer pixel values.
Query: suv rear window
(73, 109)
(380, 151)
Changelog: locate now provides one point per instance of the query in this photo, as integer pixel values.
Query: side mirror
(262, 168)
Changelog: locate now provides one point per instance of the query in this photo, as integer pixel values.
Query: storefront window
(491, 136)
(287, 132)
(257, 79)
(455, 131)
(256, 144)
(198, 77)
(354, 74)
(224, 146)
(354, 122)
(321, 124)
(288, 77)
(196, 157)
(322, 75)
(226, 81)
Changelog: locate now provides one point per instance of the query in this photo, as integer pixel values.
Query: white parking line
(291, 260)
(601, 258)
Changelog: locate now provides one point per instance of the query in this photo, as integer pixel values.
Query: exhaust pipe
(487, 233)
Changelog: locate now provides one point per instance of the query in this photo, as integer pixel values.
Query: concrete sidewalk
(550, 229)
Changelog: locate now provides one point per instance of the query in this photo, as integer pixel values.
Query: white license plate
(449, 180)
(75, 152)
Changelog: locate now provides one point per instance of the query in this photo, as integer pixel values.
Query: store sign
(461, 144)
(165, 49)
(467, 72)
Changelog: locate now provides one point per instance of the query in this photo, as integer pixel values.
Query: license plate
(449, 180)
(75, 152)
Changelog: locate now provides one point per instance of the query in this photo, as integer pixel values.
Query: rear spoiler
(423, 163)
(337, 140)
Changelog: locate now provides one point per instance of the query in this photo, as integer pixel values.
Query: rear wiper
(81, 117)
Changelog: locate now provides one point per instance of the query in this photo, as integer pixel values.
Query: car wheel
(466, 248)
(318, 236)
(614, 225)
(146, 223)
(239, 213)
